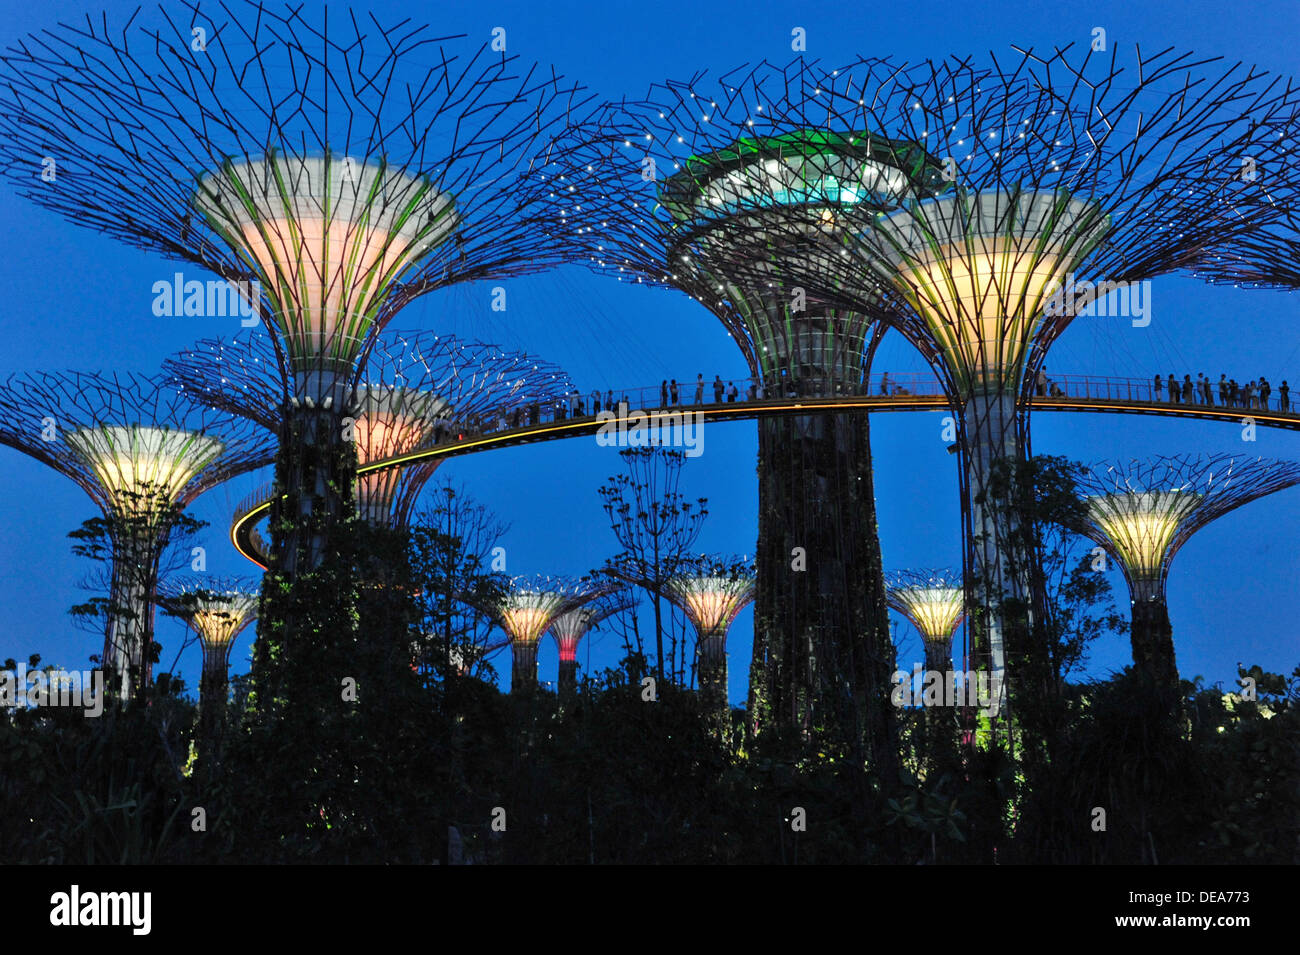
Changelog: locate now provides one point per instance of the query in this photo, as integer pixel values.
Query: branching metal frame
(711, 591)
(569, 628)
(135, 114)
(1162, 502)
(217, 609)
(934, 601)
(59, 404)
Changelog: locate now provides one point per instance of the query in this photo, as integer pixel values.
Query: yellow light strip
(755, 409)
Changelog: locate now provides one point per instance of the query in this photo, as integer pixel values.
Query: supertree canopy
(392, 420)
(1142, 512)
(327, 240)
(570, 627)
(142, 451)
(218, 610)
(711, 592)
(331, 169)
(345, 166)
(418, 388)
(724, 190)
(935, 602)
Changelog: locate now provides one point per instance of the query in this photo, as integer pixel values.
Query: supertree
(569, 628)
(143, 452)
(217, 610)
(715, 189)
(935, 602)
(1071, 176)
(711, 592)
(527, 608)
(1143, 512)
(417, 388)
(330, 169)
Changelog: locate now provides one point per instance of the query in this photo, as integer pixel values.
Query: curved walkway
(642, 407)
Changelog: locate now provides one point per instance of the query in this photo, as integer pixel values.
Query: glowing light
(935, 610)
(1141, 526)
(327, 238)
(569, 628)
(219, 618)
(525, 614)
(981, 268)
(139, 465)
(389, 422)
(711, 602)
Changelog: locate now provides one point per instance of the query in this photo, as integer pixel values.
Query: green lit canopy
(803, 167)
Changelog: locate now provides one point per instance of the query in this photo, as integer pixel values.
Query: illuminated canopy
(218, 610)
(712, 592)
(1142, 512)
(327, 237)
(142, 451)
(935, 605)
(1142, 526)
(749, 189)
(524, 614)
(345, 164)
(220, 617)
(711, 602)
(138, 465)
(418, 388)
(748, 216)
(390, 421)
(806, 167)
(569, 628)
(980, 268)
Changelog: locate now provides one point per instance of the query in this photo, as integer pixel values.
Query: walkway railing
(728, 397)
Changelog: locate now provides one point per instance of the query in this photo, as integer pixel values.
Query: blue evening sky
(77, 300)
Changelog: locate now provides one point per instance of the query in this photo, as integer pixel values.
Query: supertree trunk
(117, 631)
(822, 647)
(712, 674)
(939, 751)
(1001, 593)
(213, 692)
(315, 473)
(568, 679)
(1152, 636)
(938, 655)
(309, 595)
(128, 642)
(523, 667)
